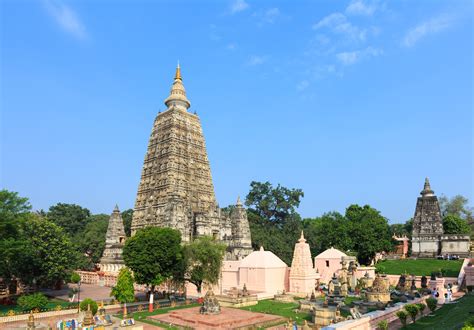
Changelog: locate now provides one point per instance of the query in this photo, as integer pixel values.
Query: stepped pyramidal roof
(176, 188)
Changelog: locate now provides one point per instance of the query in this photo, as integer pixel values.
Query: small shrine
(210, 305)
(380, 290)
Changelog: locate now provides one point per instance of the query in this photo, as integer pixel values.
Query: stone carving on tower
(176, 188)
(112, 261)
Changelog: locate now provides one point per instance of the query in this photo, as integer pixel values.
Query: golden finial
(178, 72)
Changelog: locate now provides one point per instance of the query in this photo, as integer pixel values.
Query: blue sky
(351, 101)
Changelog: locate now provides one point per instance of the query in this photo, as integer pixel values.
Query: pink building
(328, 263)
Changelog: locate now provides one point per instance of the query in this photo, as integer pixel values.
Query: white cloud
(66, 18)
(238, 6)
(349, 58)
(338, 23)
(302, 85)
(231, 46)
(256, 60)
(359, 7)
(271, 15)
(432, 26)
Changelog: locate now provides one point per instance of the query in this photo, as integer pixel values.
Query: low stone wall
(370, 320)
(393, 279)
(107, 279)
(65, 312)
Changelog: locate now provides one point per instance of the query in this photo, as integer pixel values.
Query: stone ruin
(210, 305)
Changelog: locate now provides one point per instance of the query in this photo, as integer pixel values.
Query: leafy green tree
(14, 246)
(91, 241)
(127, 216)
(32, 301)
(71, 217)
(421, 307)
(457, 206)
(52, 253)
(453, 224)
(203, 259)
(369, 230)
(75, 277)
(89, 302)
(330, 230)
(274, 204)
(123, 291)
(154, 255)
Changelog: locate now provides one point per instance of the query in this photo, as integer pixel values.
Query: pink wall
(325, 271)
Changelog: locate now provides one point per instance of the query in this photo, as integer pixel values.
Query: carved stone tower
(303, 276)
(427, 224)
(112, 260)
(176, 188)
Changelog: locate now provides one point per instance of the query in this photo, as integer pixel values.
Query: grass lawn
(450, 268)
(280, 308)
(52, 304)
(451, 316)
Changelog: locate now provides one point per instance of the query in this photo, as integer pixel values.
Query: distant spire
(239, 203)
(427, 191)
(116, 209)
(302, 239)
(178, 72)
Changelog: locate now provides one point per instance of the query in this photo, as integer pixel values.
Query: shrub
(383, 325)
(92, 303)
(402, 315)
(469, 322)
(432, 303)
(75, 277)
(32, 301)
(412, 310)
(421, 307)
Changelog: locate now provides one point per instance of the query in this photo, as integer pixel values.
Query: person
(435, 293)
(450, 295)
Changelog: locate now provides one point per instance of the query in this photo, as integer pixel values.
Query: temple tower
(176, 188)
(303, 276)
(112, 260)
(427, 224)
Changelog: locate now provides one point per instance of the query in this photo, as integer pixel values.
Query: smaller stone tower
(303, 276)
(112, 261)
(427, 225)
(241, 245)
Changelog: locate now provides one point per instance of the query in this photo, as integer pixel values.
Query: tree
(71, 217)
(127, 216)
(274, 204)
(123, 291)
(154, 255)
(52, 253)
(457, 206)
(369, 231)
(91, 241)
(421, 307)
(453, 224)
(203, 259)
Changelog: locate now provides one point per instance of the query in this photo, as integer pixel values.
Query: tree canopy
(124, 291)
(455, 225)
(204, 258)
(71, 217)
(154, 255)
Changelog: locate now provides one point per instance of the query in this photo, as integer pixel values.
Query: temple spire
(427, 191)
(239, 203)
(302, 239)
(178, 73)
(177, 98)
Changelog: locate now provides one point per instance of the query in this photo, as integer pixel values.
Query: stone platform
(229, 318)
